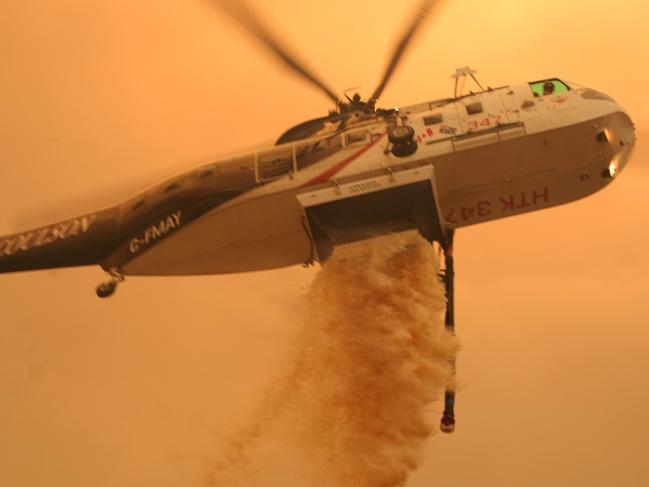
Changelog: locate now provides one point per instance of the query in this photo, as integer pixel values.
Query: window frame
(365, 133)
(433, 119)
(541, 82)
(474, 108)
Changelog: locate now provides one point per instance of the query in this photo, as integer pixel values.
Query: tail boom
(79, 241)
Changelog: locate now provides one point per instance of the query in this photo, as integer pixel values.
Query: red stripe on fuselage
(336, 168)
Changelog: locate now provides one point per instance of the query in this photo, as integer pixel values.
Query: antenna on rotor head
(463, 73)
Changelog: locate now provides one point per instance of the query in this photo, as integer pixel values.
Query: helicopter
(356, 173)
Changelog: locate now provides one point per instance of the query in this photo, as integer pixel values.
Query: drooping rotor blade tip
(239, 11)
(422, 13)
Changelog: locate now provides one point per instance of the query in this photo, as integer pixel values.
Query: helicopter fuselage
(496, 153)
(515, 153)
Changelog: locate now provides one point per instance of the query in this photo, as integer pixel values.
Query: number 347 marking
(485, 122)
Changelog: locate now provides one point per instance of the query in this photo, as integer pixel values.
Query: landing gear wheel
(447, 424)
(106, 289)
(400, 134)
(404, 148)
(402, 138)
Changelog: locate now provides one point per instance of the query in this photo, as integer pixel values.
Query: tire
(405, 148)
(400, 134)
(106, 289)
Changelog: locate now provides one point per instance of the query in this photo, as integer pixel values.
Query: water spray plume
(352, 405)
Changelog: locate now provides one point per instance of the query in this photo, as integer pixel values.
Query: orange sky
(100, 100)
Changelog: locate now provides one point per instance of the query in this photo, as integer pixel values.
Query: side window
(301, 150)
(319, 146)
(236, 173)
(328, 144)
(275, 163)
(548, 87)
(173, 186)
(335, 143)
(360, 137)
(474, 108)
(308, 154)
(433, 119)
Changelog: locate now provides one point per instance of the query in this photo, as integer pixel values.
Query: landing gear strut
(106, 289)
(447, 424)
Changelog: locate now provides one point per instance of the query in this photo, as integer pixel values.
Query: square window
(356, 137)
(473, 108)
(275, 163)
(433, 119)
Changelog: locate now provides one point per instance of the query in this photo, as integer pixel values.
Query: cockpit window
(549, 87)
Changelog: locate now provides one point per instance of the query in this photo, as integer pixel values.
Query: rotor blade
(423, 12)
(240, 12)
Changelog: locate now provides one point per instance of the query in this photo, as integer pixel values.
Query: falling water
(352, 404)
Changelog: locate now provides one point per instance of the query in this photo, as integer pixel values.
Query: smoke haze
(351, 405)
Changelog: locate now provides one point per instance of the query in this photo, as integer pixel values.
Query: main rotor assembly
(244, 15)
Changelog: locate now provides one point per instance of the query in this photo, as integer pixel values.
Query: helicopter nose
(622, 135)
